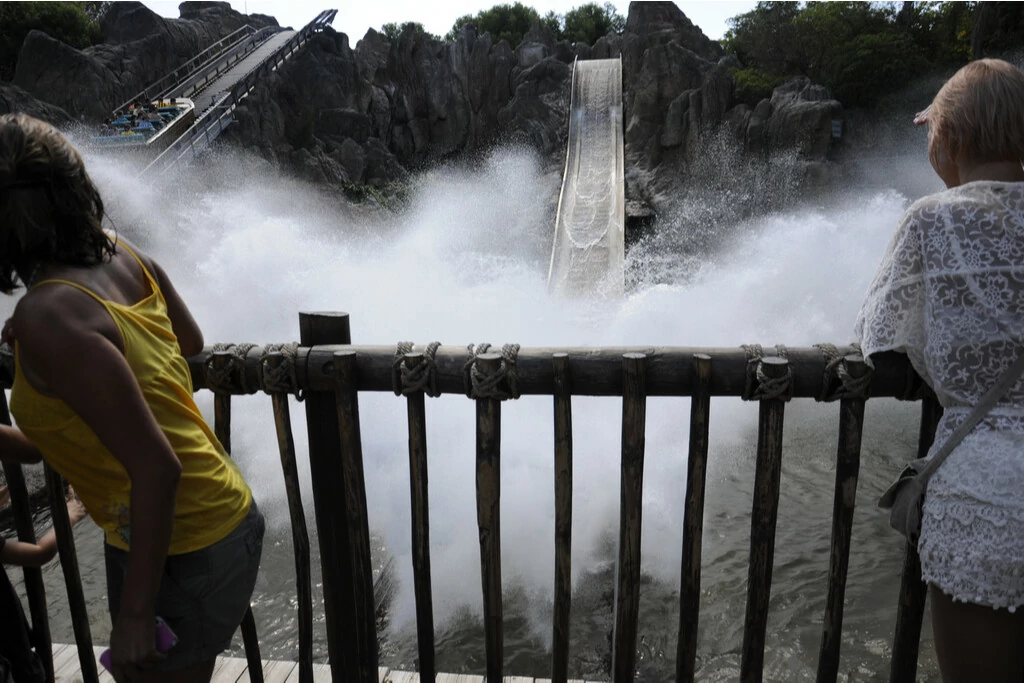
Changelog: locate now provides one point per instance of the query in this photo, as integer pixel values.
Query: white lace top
(950, 293)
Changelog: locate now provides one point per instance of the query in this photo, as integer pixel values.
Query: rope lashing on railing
(406, 380)
(218, 379)
(759, 386)
(481, 384)
(280, 379)
(848, 386)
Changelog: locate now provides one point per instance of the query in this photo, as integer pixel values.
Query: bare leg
(977, 643)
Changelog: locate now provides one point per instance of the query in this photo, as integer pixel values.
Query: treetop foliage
(584, 24)
(74, 23)
(862, 50)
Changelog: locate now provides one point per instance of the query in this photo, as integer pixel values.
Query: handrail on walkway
(183, 71)
(329, 373)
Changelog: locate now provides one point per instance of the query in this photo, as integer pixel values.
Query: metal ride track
(587, 258)
(226, 80)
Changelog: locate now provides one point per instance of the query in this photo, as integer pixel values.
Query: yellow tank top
(212, 497)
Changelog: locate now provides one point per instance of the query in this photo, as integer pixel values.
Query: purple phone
(165, 640)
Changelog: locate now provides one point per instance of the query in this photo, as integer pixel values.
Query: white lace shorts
(972, 551)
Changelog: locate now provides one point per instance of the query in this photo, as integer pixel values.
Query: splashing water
(467, 262)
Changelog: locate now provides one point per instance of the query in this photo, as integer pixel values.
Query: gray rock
(59, 74)
(13, 100)
(801, 119)
(353, 159)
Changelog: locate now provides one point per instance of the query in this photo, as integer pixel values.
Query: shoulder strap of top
(149, 276)
(81, 288)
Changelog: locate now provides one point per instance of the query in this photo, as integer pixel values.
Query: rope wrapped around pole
(281, 379)
(501, 384)
(407, 380)
(219, 379)
(837, 383)
(759, 385)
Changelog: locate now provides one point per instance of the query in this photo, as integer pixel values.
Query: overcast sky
(356, 16)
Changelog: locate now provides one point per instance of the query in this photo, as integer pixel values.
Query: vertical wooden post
(222, 430)
(329, 498)
(364, 615)
(34, 586)
(762, 527)
(418, 491)
(851, 426)
(913, 591)
(300, 535)
(488, 515)
(563, 520)
(72, 577)
(693, 519)
(627, 569)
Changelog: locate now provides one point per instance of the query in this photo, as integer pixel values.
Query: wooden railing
(331, 373)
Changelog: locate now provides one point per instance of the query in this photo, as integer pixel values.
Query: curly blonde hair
(50, 210)
(979, 112)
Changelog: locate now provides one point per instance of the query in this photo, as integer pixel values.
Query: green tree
(587, 23)
(503, 22)
(764, 37)
(68, 22)
(392, 29)
(553, 22)
(863, 50)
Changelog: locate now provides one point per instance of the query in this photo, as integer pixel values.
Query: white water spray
(467, 262)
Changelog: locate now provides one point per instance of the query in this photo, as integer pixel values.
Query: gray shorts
(203, 595)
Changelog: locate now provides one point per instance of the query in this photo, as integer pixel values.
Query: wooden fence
(330, 372)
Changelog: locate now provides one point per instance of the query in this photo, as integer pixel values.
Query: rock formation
(139, 47)
(369, 114)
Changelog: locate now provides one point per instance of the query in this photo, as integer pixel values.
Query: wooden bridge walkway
(235, 670)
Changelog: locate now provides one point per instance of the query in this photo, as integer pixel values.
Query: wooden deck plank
(277, 671)
(232, 671)
(67, 667)
(235, 670)
(321, 673)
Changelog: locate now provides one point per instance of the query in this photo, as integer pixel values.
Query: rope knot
(837, 382)
(219, 377)
(501, 383)
(277, 373)
(409, 378)
(759, 385)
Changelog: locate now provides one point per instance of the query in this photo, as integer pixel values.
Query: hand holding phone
(165, 640)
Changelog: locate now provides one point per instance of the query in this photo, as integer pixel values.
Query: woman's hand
(133, 646)
(7, 335)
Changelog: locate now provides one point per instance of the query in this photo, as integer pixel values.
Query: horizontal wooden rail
(595, 371)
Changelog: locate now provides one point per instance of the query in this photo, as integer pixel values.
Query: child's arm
(38, 554)
(15, 447)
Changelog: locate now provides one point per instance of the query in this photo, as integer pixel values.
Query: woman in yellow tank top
(102, 391)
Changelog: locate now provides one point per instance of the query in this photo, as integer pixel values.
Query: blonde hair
(979, 112)
(50, 211)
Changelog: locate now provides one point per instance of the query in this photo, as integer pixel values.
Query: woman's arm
(72, 344)
(37, 554)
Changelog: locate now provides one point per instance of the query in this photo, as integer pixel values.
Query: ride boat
(151, 127)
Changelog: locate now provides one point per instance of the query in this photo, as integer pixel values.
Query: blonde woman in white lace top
(950, 294)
